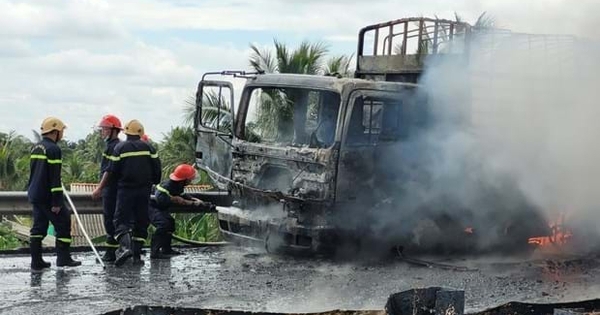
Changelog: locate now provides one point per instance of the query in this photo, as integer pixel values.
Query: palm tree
(177, 147)
(339, 65)
(14, 158)
(216, 111)
(275, 112)
(306, 59)
(484, 21)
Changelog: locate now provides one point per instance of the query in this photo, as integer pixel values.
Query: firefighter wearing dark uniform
(109, 128)
(165, 194)
(135, 168)
(45, 193)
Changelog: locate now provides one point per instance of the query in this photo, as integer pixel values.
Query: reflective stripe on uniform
(65, 240)
(110, 157)
(139, 239)
(43, 157)
(55, 189)
(161, 189)
(111, 245)
(137, 153)
(37, 236)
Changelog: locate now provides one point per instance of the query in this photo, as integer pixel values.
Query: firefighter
(109, 127)
(167, 193)
(45, 193)
(135, 168)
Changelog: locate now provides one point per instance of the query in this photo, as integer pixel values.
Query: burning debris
(560, 235)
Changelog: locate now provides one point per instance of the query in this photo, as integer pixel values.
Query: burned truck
(329, 164)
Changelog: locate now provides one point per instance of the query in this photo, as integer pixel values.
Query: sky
(80, 60)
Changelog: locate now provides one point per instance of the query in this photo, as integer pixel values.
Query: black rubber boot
(124, 251)
(35, 247)
(155, 245)
(167, 249)
(137, 252)
(109, 255)
(112, 245)
(63, 255)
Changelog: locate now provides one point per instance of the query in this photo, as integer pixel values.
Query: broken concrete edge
(426, 301)
(576, 307)
(511, 308)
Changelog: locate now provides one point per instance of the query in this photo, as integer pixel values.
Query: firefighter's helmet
(52, 123)
(183, 172)
(110, 121)
(134, 128)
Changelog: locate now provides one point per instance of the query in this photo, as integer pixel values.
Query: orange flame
(560, 234)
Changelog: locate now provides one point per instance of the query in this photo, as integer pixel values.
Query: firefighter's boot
(111, 247)
(124, 251)
(35, 247)
(167, 249)
(109, 255)
(137, 252)
(156, 244)
(63, 255)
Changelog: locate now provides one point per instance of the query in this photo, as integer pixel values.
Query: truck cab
(319, 164)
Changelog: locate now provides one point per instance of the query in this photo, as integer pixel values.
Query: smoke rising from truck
(522, 109)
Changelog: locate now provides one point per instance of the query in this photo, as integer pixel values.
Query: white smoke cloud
(527, 108)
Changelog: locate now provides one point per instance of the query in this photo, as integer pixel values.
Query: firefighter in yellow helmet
(45, 193)
(135, 168)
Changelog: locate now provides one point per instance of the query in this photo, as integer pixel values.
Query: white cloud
(82, 59)
(55, 18)
(15, 48)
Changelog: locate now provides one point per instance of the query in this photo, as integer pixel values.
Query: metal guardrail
(16, 203)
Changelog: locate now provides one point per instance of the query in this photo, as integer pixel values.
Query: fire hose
(99, 259)
(196, 243)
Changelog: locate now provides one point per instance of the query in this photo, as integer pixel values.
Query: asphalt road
(235, 278)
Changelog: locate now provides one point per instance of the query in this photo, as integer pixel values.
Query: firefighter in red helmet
(167, 193)
(109, 127)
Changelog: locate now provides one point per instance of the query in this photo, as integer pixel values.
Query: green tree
(14, 161)
(216, 111)
(339, 65)
(275, 112)
(177, 147)
(484, 21)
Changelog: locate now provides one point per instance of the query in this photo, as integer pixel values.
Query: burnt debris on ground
(234, 278)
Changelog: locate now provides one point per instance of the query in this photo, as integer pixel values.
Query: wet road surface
(248, 279)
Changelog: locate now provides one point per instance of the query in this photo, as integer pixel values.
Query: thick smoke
(519, 116)
(508, 146)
